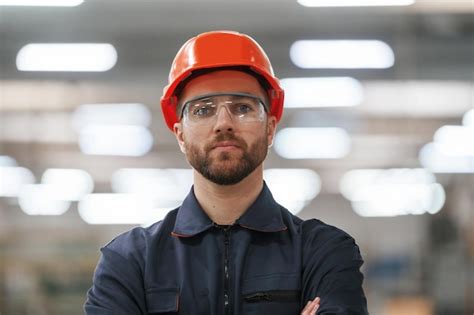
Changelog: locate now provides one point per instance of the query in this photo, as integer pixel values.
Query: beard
(226, 168)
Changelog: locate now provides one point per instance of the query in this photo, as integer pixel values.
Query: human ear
(271, 128)
(178, 132)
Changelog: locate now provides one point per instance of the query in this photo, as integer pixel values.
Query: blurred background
(377, 136)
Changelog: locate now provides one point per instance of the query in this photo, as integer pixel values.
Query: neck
(224, 204)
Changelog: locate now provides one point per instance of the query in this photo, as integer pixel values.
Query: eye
(202, 111)
(243, 108)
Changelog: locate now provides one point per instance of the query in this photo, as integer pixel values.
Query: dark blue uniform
(268, 262)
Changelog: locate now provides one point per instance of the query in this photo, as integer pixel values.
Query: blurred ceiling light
(312, 143)
(41, 199)
(66, 57)
(41, 3)
(6, 160)
(111, 114)
(69, 184)
(354, 3)
(353, 180)
(393, 201)
(417, 98)
(455, 140)
(322, 92)
(119, 209)
(392, 192)
(293, 188)
(468, 118)
(342, 54)
(164, 185)
(121, 140)
(432, 158)
(13, 179)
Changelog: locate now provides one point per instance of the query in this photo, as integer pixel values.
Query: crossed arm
(331, 271)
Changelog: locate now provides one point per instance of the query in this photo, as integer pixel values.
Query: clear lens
(242, 107)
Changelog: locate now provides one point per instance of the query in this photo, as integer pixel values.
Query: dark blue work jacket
(268, 262)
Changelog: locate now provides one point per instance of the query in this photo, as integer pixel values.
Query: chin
(225, 167)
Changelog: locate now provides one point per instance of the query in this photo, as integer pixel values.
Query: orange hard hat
(214, 50)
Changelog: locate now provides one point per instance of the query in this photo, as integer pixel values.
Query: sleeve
(117, 286)
(331, 270)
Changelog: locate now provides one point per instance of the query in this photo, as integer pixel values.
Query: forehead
(222, 82)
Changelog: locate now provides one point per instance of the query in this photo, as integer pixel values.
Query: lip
(226, 144)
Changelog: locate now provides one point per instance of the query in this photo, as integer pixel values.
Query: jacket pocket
(162, 300)
(272, 294)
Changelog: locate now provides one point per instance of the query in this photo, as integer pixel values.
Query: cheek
(258, 138)
(193, 138)
(194, 141)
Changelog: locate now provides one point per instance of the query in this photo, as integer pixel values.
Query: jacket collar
(263, 215)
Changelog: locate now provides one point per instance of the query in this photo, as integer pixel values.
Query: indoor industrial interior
(376, 138)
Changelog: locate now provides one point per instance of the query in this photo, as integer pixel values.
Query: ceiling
(431, 39)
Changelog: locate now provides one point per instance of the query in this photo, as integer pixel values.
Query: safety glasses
(242, 107)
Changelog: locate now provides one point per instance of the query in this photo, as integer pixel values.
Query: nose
(224, 121)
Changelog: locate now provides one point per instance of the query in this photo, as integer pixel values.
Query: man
(229, 248)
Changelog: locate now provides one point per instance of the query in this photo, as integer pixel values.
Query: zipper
(273, 296)
(226, 231)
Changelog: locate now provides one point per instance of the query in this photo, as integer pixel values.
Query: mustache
(226, 137)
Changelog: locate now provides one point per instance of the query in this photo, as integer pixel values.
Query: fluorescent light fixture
(390, 201)
(66, 57)
(455, 140)
(164, 185)
(432, 158)
(322, 92)
(312, 143)
(417, 98)
(120, 140)
(293, 188)
(468, 118)
(111, 114)
(6, 160)
(354, 3)
(353, 180)
(119, 209)
(41, 3)
(13, 179)
(392, 192)
(69, 184)
(40, 199)
(342, 54)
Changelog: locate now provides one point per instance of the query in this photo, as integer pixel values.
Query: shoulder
(324, 242)
(314, 230)
(136, 241)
